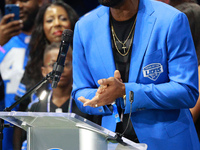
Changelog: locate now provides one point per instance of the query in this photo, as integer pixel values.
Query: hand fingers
(103, 81)
(87, 102)
(15, 33)
(5, 18)
(93, 102)
(107, 82)
(101, 89)
(13, 25)
(117, 74)
(10, 28)
(83, 99)
(12, 31)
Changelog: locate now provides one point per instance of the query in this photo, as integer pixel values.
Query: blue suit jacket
(163, 73)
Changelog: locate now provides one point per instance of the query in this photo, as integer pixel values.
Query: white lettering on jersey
(12, 68)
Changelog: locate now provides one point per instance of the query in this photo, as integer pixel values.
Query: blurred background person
(50, 22)
(58, 99)
(2, 3)
(15, 36)
(12, 28)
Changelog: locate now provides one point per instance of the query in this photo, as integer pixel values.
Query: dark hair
(49, 47)
(55, 45)
(38, 40)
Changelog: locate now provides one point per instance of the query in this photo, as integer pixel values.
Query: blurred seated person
(51, 21)
(14, 38)
(57, 99)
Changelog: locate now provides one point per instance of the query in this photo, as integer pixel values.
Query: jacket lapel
(143, 29)
(103, 41)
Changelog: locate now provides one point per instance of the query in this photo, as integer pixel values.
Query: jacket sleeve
(83, 83)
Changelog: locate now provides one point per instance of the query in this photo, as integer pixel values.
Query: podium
(65, 131)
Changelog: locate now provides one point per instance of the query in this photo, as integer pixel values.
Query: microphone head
(67, 35)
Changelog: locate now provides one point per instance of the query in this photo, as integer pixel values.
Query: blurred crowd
(23, 64)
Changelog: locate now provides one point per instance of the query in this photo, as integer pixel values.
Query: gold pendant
(124, 48)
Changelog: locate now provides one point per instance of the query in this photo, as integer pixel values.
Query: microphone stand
(118, 136)
(49, 76)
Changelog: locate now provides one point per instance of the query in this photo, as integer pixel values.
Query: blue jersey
(1, 88)
(12, 63)
(13, 59)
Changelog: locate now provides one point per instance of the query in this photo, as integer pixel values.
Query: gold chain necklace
(123, 43)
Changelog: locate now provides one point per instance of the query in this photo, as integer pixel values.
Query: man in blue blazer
(150, 44)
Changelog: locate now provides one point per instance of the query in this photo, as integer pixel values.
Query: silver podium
(65, 131)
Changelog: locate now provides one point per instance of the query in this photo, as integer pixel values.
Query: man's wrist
(123, 91)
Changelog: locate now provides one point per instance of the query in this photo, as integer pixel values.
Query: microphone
(66, 39)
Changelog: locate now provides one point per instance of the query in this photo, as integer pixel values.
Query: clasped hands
(110, 89)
